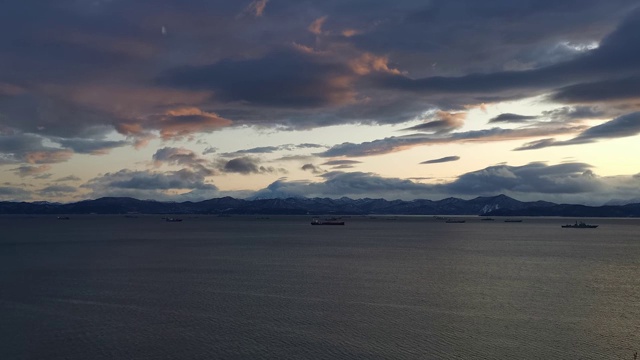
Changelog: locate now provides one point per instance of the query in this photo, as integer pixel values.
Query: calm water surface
(110, 287)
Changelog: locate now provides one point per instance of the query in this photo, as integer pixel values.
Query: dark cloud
(102, 59)
(272, 149)
(567, 182)
(88, 146)
(68, 178)
(260, 150)
(442, 160)
(309, 146)
(572, 113)
(183, 185)
(341, 162)
(10, 193)
(26, 170)
(146, 180)
(454, 36)
(540, 144)
(339, 184)
(512, 118)
(569, 178)
(618, 55)
(298, 158)
(57, 190)
(74, 73)
(246, 165)
(399, 143)
(624, 89)
(210, 150)
(36, 112)
(313, 169)
(441, 122)
(622, 126)
(286, 78)
(178, 123)
(177, 156)
(31, 149)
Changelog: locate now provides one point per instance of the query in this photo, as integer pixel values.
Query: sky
(187, 100)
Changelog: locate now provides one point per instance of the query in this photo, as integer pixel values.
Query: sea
(275, 287)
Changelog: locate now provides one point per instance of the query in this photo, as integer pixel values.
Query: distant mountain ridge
(500, 205)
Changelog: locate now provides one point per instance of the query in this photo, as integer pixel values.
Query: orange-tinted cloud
(48, 157)
(316, 25)
(181, 122)
(255, 8)
(368, 63)
(10, 89)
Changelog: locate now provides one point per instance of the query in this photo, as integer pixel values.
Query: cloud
(101, 57)
(24, 171)
(572, 113)
(316, 25)
(567, 182)
(445, 122)
(57, 191)
(399, 143)
(68, 178)
(284, 78)
(618, 55)
(313, 169)
(90, 146)
(246, 165)
(210, 150)
(537, 177)
(47, 157)
(177, 156)
(442, 160)
(622, 126)
(29, 148)
(540, 144)
(341, 162)
(255, 8)
(183, 179)
(181, 185)
(623, 89)
(10, 193)
(180, 122)
(272, 149)
(513, 118)
(339, 184)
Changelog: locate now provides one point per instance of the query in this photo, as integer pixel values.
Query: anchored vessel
(454, 221)
(580, 225)
(327, 222)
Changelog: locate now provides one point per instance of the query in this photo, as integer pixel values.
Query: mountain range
(500, 205)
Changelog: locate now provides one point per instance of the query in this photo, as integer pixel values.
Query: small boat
(486, 219)
(172, 220)
(63, 218)
(580, 225)
(513, 220)
(327, 222)
(454, 221)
